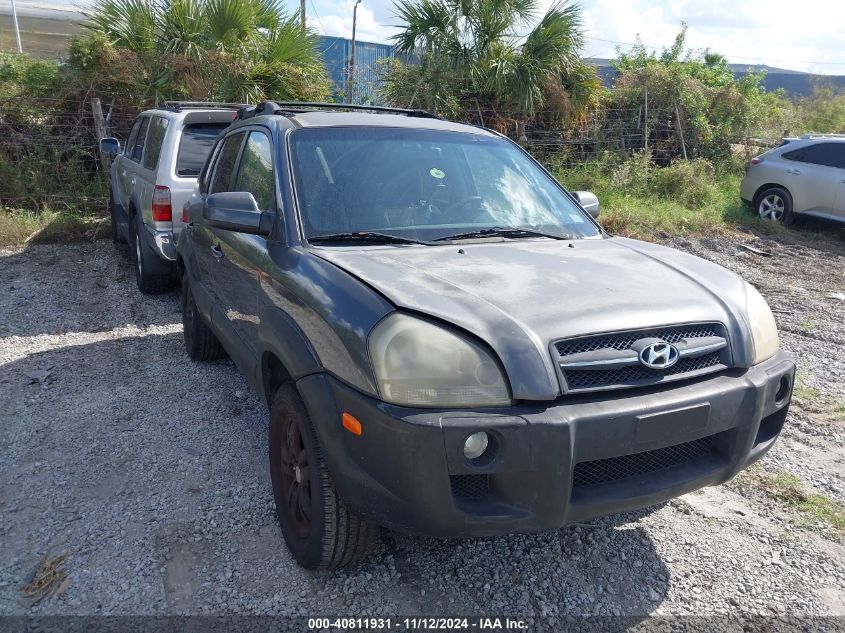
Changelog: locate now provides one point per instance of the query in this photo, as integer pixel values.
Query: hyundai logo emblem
(659, 355)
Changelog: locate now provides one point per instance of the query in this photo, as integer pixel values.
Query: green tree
(694, 95)
(238, 50)
(483, 59)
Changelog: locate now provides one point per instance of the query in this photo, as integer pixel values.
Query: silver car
(803, 175)
(153, 177)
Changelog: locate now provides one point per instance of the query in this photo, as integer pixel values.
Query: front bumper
(554, 463)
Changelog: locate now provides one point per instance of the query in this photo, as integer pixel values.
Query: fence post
(680, 130)
(100, 131)
(645, 130)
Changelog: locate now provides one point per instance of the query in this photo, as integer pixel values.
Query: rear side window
(155, 138)
(138, 149)
(827, 154)
(195, 146)
(226, 158)
(255, 173)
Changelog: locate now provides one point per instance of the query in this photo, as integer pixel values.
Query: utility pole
(352, 53)
(17, 28)
(302, 13)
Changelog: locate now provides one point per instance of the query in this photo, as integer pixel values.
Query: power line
(317, 15)
(761, 59)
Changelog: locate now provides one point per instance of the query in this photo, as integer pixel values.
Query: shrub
(691, 183)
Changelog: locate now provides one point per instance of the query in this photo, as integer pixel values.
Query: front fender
(281, 337)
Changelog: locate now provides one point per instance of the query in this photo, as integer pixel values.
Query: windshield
(425, 185)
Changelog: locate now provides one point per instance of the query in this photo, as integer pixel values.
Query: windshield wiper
(365, 236)
(501, 231)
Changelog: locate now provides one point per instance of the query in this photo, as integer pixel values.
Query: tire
(153, 274)
(200, 342)
(319, 530)
(774, 205)
(116, 234)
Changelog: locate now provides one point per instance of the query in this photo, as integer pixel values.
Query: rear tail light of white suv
(162, 211)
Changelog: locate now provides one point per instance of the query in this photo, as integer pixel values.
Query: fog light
(783, 390)
(475, 445)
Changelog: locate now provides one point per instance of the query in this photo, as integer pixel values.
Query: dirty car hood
(520, 296)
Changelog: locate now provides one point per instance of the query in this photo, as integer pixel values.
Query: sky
(807, 35)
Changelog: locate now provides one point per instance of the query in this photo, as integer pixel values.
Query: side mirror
(589, 201)
(237, 211)
(110, 146)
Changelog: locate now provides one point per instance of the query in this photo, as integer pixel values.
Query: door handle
(217, 251)
(794, 172)
(190, 226)
(133, 181)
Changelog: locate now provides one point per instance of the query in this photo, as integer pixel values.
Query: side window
(225, 166)
(138, 150)
(255, 171)
(133, 134)
(155, 138)
(826, 154)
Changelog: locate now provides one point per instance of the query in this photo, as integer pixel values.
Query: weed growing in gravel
(790, 490)
(802, 391)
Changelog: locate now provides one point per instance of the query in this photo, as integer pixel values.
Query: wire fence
(49, 155)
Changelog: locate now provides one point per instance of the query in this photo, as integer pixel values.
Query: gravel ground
(150, 471)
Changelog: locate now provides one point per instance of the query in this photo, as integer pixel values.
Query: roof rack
(822, 135)
(178, 106)
(298, 107)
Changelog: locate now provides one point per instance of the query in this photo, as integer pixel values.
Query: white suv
(154, 176)
(803, 176)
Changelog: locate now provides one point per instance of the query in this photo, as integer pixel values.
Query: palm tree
(487, 55)
(230, 49)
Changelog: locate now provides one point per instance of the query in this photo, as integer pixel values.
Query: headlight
(420, 364)
(764, 331)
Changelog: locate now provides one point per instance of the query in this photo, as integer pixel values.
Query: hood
(519, 296)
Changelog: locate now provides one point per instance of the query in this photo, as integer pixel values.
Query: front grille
(582, 360)
(470, 486)
(612, 469)
(637, 374)
(624, 340)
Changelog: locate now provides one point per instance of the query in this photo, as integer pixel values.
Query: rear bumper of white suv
(162, 242)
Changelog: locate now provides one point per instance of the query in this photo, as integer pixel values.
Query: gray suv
(448, 342)
(152, 178)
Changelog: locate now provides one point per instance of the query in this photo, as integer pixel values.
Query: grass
(790, 490)
(648, 202)
(18, 227)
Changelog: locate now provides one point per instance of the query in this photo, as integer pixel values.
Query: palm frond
(128, 24)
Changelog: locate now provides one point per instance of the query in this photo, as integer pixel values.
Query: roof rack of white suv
(814, 135)
(178, 106)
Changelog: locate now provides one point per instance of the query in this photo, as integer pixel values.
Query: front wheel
(319, 530)
(774, 205)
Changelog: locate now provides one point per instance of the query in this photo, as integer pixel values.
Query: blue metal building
(369, 60)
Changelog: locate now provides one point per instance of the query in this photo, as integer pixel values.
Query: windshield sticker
(437, 173)
(576, 219)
